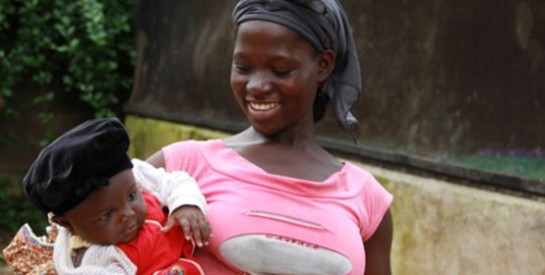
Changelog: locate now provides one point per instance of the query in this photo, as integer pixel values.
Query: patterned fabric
(29, 254)
(181, 267)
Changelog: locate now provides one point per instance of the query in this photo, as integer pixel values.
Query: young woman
(279, 203)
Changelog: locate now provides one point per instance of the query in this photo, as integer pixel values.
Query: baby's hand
(192, 221)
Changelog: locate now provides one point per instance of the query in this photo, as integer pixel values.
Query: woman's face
(275, 76)
(110, 215)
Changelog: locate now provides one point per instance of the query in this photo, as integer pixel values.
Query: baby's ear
(62, 221)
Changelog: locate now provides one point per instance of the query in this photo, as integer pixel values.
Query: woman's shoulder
(359, 176)
(370, 186)
(189, 154)
(192, 144)
(355, 170)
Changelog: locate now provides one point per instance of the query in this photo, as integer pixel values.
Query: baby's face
(110, 215)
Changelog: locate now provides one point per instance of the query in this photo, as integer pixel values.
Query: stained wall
(440, 226)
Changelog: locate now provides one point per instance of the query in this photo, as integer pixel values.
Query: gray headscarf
(325, 25)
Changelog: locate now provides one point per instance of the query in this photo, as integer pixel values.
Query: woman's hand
(193, 223)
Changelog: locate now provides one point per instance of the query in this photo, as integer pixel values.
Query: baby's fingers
(171, 222)
(193, 223)
(206, 231)
(201, 231)
(186, 227)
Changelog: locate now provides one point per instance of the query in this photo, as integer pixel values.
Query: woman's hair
(320, 105)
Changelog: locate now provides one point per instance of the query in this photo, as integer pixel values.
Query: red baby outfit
(152, 249)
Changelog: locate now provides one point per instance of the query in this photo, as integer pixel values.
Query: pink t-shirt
(337, 214)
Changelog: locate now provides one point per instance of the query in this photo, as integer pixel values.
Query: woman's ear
(62, 221)
(326, 65)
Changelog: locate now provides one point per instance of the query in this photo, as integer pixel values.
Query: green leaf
(45, 117)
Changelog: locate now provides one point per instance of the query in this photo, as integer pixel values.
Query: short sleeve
(376, 201)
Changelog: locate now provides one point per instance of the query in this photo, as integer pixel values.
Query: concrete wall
(440, 227)
(443, 227)
(439, 77)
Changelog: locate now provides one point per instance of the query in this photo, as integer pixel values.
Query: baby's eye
(132, 195)
(106, 216)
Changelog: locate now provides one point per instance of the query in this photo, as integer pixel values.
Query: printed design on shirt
(284, 218)
(272, 254)
(292, 241)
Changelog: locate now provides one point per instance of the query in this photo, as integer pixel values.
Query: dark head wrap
(325, 25)
(69, 169)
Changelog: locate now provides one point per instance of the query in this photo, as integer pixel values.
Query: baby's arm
(181, 194)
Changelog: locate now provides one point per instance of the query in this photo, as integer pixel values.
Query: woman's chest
(276, 227)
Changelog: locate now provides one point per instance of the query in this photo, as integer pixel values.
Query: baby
(113, 211)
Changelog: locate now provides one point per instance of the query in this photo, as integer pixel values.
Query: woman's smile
(262, 106)
(262, 111)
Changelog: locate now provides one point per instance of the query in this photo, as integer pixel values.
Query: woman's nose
(259, 82)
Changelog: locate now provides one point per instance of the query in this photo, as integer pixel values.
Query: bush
(17, 210)
(87, 45)
(82, 47)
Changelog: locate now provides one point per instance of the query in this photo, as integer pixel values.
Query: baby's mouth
(131, 228)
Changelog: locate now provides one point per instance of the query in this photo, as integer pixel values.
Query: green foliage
(532, 168)
(87, 45)
(17, 210)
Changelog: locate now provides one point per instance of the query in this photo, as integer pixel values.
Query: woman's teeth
(262, 106)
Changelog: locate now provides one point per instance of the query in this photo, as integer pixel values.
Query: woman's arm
(377, 248)
(176, 188)
(157, 159)
(186, 194)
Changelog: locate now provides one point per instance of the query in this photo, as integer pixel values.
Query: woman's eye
(241, 69)
(282, 72)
